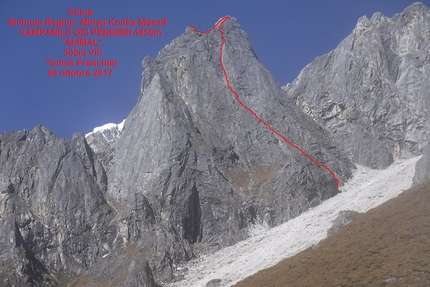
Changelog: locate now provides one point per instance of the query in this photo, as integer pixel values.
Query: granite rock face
(343, 218)
(422, 168)
(190, 169)
(190, 160)
(202, 164)
(102, 141)
(53, 215)
(372, 91)
(55, 219)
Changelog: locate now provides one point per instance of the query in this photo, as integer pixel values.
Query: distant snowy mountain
(108, 130)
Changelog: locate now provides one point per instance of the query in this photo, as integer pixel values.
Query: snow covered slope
(367, 189)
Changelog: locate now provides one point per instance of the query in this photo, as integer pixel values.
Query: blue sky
(286, 35)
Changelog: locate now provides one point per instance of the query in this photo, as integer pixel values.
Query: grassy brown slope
(387, 246)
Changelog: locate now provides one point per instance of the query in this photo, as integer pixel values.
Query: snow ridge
(110, 126)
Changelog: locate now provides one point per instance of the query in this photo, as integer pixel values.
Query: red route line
(219, 25)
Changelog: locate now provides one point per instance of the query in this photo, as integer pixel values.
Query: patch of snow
(120, 126)
(110, 126)
(105, 127)
(264, 248)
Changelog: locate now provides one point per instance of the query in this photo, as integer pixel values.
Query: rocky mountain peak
(202, 160)
(194, 168)
(363, 23)
(378, 19)
(417, 9)
(371, 91)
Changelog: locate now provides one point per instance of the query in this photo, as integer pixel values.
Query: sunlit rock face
(372, 91)
(190, 169)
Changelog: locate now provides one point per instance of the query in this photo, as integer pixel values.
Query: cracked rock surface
(190, 170)
(372, 91)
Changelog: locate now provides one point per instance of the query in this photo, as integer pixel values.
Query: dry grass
(238, 178)
(251, 180)
(387, 246)
(83, 281)
(263, 173)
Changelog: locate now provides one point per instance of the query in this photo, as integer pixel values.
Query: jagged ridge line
(218, 25)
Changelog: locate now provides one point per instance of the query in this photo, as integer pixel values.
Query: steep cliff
(190, 169)
(53, 215)
(372, 91)
(203, 162)
(422, 169)
(192, 161)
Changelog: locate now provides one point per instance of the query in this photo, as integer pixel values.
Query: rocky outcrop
(56, 221)
(371, 92)
(53, 215)
(344, 218)
(422, 168)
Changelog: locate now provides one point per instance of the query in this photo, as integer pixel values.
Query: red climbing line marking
(219, 25)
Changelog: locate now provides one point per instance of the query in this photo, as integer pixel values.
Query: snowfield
(264, 248)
